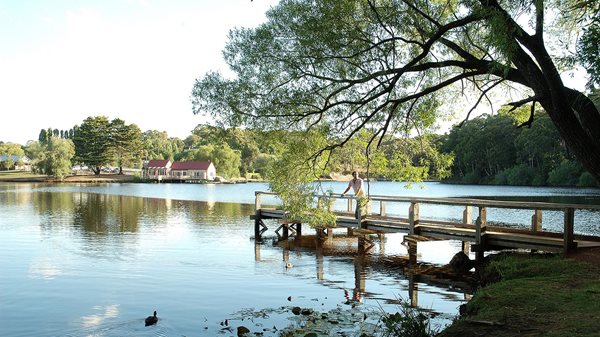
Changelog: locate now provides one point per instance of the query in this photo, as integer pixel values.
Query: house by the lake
(162, 170)
(14, 162)
(157, 169)
(193, 170)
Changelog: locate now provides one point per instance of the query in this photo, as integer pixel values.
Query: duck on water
(151, 320)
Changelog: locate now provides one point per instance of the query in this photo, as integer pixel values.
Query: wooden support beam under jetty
(481, 234)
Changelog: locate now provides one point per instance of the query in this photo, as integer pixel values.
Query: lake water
(95, 260)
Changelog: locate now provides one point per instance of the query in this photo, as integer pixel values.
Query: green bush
(501, 178)
(539, 179)
(520, 175)
(586, 179)
(472, 177)
(566, 174)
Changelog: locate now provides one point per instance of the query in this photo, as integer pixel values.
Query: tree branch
(530, 120)
(484, 93)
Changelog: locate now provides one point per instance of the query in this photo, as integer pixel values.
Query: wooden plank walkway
(483, 236)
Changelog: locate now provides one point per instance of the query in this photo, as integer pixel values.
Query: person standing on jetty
(357, 185)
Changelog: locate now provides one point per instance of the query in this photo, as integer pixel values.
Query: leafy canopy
(394, 67)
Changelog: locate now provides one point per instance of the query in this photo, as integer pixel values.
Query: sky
(62, 61)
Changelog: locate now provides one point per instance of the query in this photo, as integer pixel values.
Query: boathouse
(193, 170)
(14, 162)
(157, 169)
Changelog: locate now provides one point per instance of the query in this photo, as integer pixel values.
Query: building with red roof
(164, 170)
(185, 170)
(157, 169)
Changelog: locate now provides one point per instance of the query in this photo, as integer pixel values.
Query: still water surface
(83, 260)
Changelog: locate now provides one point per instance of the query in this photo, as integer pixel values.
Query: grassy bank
(536, 296)
(20, 176)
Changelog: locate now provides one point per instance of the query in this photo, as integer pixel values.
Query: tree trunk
(580, 137)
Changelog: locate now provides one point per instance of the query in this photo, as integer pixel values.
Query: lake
(95, 260)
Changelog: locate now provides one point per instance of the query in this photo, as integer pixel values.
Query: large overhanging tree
(389, 65)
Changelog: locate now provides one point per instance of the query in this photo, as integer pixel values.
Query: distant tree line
(46, 134)
(493, 149)
(489, 149)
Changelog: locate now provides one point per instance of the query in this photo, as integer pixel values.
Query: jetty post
(480, 227)
(413, 222)
(569, 244)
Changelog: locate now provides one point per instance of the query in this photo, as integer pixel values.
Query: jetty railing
(479, 232)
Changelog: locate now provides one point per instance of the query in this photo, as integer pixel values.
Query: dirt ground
(589, 255)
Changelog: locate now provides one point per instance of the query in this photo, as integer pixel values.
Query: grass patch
(537, 296)
(19, 175)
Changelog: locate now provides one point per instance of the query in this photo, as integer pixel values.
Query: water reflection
(365, 262)
(95, 320)
(102, 214)
(44, 268)
(100, 262)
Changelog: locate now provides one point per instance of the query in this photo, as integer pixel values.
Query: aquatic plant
(407, 322)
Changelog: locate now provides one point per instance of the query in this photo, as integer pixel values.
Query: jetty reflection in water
(364, 261)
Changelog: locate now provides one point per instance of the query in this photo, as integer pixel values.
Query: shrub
(586, 179)
(472, 177)
(501, 178)
(520, 175)
(539, 179)
(566, 174)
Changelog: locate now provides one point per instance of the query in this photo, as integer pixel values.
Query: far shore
(25, 177)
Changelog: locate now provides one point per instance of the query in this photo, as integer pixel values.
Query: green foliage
(586, 179)
(501, 178)
(92, 143)
(53, 158)
(262, 163)
(126, 143)
(540, 146)
(293, 180)
(387, 66)
(588, 48)
(9, 150)
(484, 144)
(472, 177)
(99, 142)
(43, 136)
(409, 322)
(520, 175)
(227, 161)
(566, 174)
(539, 179)
(35, 151)
(57, 157)
(158, 145)
(519, 115)
(504, 154)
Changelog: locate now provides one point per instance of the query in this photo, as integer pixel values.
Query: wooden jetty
(478, 237)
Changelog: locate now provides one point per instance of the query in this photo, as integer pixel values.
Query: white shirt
(357, 186)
